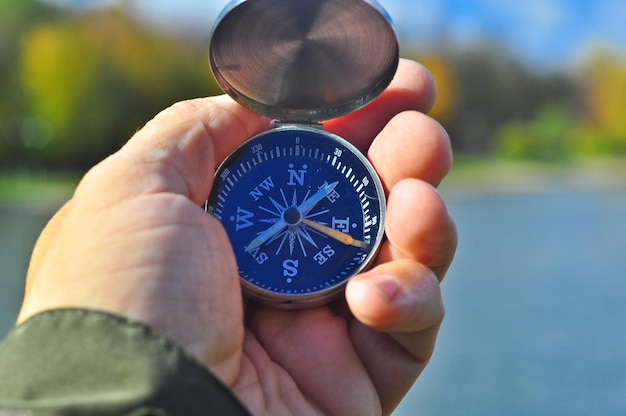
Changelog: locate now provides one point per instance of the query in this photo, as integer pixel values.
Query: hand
(134, 241)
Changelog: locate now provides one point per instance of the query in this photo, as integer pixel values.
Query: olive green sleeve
(81, 362)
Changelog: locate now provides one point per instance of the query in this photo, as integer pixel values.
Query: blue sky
(544, 32)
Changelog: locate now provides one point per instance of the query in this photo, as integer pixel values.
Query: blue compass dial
(304, 211)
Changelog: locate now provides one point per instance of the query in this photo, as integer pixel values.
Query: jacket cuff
(85, 362)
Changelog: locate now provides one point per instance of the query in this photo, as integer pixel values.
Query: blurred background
(533, 95)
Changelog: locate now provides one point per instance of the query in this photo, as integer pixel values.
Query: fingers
(418, 227)
(401, 294)
(412, 145)
(397, 304)
(402, 302)
(412, 88)
(398, 296)
(177, 151)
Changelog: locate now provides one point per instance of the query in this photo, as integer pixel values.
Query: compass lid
(304, 60)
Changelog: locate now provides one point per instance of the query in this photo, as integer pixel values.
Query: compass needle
(347, 239)
(266, 235)
(310, 203)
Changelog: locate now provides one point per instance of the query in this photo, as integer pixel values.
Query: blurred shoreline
(43, 194)
(472, 176)
(35, 193)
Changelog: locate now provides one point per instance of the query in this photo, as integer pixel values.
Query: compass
(303, 208)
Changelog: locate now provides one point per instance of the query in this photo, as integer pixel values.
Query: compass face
(304, 211)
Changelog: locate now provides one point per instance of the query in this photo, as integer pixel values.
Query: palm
(303, 363)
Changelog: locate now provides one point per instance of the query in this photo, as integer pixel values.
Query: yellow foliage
(96, 79)
(145, 58)
(446, 86)
(607, 97)
(603, 129)
(57, 68)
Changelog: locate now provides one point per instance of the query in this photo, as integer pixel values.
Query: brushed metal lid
(304, 60)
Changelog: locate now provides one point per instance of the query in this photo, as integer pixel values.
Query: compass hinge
(281, 123)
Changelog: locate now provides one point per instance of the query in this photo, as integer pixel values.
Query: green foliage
(16, 18)
(591, 126)
(596, 142)
(545, 137)
(82, 85)
(41, 191)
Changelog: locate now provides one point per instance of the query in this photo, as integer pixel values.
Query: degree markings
(299, 240)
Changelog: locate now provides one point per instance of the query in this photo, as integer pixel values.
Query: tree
(16, 17)
(603, 129)
(92, 80)
(491, 87)
(547, 136)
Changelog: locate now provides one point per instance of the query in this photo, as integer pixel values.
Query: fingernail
(387, 286)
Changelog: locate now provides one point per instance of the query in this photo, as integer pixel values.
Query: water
(536, 309)
(19, 229)
(536, 304)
